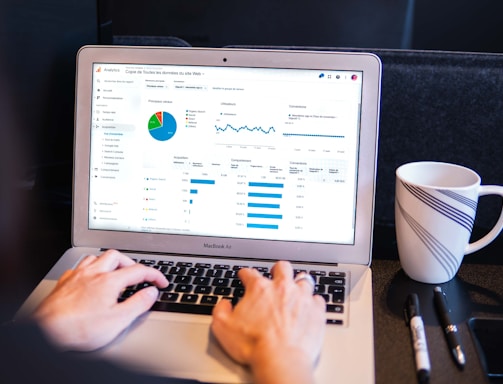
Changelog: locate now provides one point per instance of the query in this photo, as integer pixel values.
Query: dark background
(39, 40)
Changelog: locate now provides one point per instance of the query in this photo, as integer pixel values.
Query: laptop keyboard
(196, 287)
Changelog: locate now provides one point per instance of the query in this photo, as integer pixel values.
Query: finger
(248, 275)
(65, 276)
(222, 328)
(221, 311)
(87, 260)
(137, 304)
(282, 270)
(113, 259)
(320, 302)
(220, 317)
(305, 281)
(138, 273)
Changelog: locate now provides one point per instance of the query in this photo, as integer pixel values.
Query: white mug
(435, 207)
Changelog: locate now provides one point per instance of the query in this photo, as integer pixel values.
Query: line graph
(313, 135)
(245, 128)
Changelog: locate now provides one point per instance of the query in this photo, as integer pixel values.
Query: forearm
(282, 366)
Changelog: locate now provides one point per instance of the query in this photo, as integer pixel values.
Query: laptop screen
(247, 153)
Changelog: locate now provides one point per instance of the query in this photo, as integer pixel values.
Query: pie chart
(162, 126)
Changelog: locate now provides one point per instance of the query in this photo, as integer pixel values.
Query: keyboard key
(234, 300)
(186, 288)
(201, 281)
(326, 297)
(337, 294)
(222, 291)
(163, 269)
(196, 271)
(189, 298)
(203, 289)
(170, 278)
(182, 308)
(318, 273)
(332, 280)
(165, 263)
(221, 266)
(214, 273)
(335, 308)
(177, 270)
(169, 296)
(184, 264)
(319, 289)
(335, 321)
(335, 289)
(220, 282)
(209, 300)
(126, 294)
(231, 274)
(182, 279)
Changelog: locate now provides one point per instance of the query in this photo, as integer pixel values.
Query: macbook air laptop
(201, 161)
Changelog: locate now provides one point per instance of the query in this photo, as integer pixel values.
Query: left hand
(82, 312)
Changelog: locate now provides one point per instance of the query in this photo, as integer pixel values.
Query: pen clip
(440, 295)
(446, 302)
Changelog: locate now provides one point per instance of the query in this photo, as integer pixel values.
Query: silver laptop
(204, 161)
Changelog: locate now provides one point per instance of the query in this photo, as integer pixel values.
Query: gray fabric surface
(442, 106)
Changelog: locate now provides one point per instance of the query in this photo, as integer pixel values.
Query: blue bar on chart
(201, 181)
(264, 216)
(265, 195)
(266, 192)
(263, 205)
(262, 226)
(265, 185)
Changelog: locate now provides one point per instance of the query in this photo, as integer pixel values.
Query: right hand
(277, 328)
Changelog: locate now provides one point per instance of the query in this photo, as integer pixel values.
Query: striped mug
(435, 207)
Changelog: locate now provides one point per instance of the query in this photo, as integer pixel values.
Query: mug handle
(494, 232)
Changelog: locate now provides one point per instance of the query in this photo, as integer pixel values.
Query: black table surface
(476, 291)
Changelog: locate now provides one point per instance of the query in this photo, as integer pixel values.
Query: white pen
(414, 320)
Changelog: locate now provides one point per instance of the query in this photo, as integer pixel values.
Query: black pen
(414, 320)
(449, 328)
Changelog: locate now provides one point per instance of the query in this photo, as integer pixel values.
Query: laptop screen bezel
(357, 253)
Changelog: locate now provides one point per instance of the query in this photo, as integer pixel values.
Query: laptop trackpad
(177, 346)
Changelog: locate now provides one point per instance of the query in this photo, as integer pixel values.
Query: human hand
(82, 312)
(277, 328)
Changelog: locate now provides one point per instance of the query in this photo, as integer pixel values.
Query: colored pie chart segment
(162, 126)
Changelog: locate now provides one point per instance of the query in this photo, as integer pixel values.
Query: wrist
(271, 364)
(55, 328)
